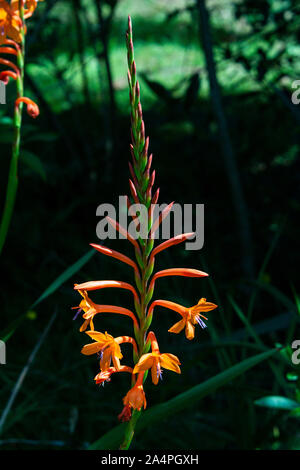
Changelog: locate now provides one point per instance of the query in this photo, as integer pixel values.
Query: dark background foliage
(74, 157)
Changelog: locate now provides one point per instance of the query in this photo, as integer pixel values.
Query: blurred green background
(232, 145)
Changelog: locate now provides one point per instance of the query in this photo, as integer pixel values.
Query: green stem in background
(12, 184)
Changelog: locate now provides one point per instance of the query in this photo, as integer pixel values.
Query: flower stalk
(13, 32)
(141, 185)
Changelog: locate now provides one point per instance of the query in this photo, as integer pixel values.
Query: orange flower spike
(32, 107)
(135, 398)
(190, 316)
(155, 361)
(108, 348)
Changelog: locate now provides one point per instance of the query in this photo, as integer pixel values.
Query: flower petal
(144, 363)
(154, 374)
(178, 327)
(169, 361)
(189, 330)
(91, 348)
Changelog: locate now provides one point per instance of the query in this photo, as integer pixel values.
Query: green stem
(130, 428)
(12, 184)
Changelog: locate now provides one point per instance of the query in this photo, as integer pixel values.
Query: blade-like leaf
(61, 279)
(69, 272)
(112, 439)
(34, 163)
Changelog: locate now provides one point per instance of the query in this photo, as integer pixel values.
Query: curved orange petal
(145, 362)
(98, 336)
(116, 362)
(204, 306)
(84, 325)
(91, 348)
(154, 374)
(171, 362)
(189, 330)
(106, 359)
(178, 327)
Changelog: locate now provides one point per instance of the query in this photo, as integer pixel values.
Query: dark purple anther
(77, 313)
(159, 371)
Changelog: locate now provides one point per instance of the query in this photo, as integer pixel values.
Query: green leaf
(61, 279)
(34, 163)
(112, 439)
(277, 402)
(69, 272)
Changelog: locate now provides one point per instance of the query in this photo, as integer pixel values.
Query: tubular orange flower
(10, 23)
(29, 7)
(8, 50)
(136, 398)
(91, 309)
(112, 309)
(107, 346)
(185, 272)
(95, 285)
(159, 219)
(155, 361)
(104, 376)
(125, 414)
(190, 315)
(10, 64)
(6, 75)
(32, 107)
(115, 254)
(171, 242)
(123, 232)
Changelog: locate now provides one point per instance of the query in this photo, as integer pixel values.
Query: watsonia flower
(190, 315)
(142, 266)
